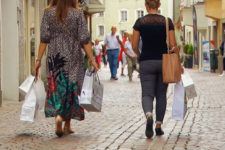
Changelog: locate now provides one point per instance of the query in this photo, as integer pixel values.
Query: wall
(22, 42)
(10, 53)
(112, 15)
(170, 8)
(0, 53)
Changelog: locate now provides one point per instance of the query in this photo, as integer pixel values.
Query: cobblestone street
(121, 124)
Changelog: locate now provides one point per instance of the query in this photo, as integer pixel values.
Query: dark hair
(154, 4)
(62, 8)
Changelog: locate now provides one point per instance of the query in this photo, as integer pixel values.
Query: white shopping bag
(180, 102)
(26, 85)
(91, 93)
(189, 85)
(40, 93)
(29, 106)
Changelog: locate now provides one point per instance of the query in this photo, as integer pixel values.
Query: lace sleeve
(83, 33)
(137, 25)
(171, 26)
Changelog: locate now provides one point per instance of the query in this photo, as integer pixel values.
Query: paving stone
(121, 124)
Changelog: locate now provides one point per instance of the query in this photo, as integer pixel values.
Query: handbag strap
(167, 36)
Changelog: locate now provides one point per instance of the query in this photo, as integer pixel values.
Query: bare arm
(104, 50)
(41, 51)
(173, 43)
(135, 43)
(125, 51)
(121, 43)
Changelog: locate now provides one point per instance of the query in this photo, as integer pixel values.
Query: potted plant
(189, 52)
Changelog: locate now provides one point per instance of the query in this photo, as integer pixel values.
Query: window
(160, 11)
(140, 13)
(123, 16)
(101, 14)
(101, 30)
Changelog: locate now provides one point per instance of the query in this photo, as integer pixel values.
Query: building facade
(215, 9)
(19, 41)
(0, 54)
(123, 14)
(210, 23)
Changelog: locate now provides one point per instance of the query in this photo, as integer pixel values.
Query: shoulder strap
(167, 35)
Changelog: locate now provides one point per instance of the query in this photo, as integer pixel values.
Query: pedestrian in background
(152, 30)
(64, 30)
(122, 56)
(131, 56)
(113, 41)
(222, 48)
(104, 59)
(98, 52)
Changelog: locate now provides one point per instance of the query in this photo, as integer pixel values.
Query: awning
(215, 9)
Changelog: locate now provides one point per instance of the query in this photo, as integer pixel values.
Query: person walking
(122, 56)
(152, 30)
(64, 30)
(131, 56)
(98, 52)
(111, 48)
(222, 48)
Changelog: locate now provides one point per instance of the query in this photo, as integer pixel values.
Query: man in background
(113, 41)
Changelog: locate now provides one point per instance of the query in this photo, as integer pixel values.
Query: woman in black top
(152, 30)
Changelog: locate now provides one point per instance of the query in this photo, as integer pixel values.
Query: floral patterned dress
(65, 67)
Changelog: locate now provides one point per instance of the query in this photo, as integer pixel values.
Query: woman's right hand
(95, 65)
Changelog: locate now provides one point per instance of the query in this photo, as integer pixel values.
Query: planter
(188, 61)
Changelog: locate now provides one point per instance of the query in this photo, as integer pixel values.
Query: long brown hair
(51, 4)
(62, 8)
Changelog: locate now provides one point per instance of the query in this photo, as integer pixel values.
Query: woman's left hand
(36, 68)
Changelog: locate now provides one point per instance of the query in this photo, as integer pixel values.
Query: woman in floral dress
(64, 29)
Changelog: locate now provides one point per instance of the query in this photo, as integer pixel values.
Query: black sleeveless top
(152, 28)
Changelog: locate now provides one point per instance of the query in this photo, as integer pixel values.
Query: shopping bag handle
(90, 71)
(98, 78)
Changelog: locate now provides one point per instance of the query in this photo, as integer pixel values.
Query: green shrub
(190, 49)
(185, 48)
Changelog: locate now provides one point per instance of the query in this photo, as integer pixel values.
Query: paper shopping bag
(29, 106)
(189, 85)
(26, 85)
(180, 102)
(91, 93)
(40, 93)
